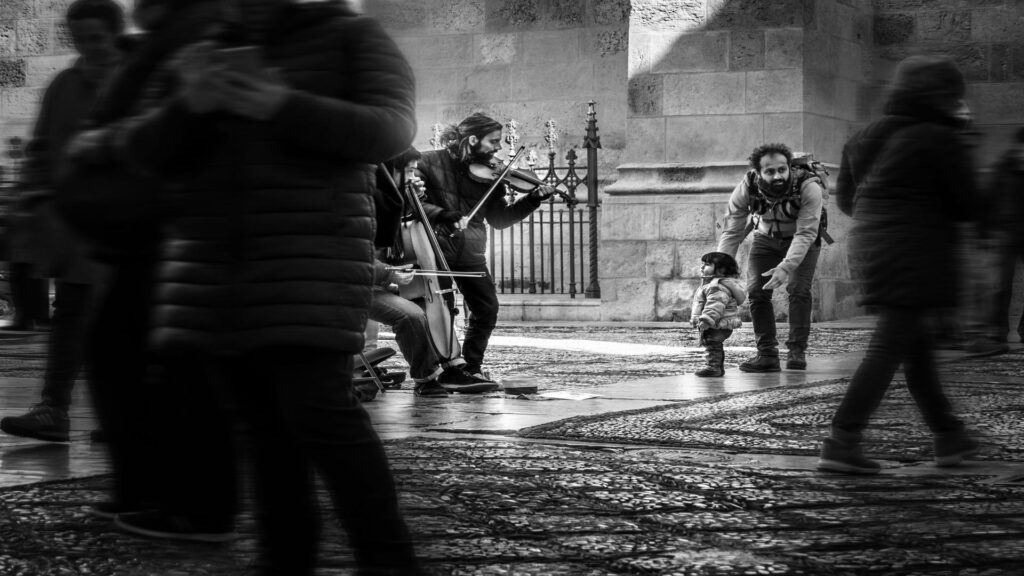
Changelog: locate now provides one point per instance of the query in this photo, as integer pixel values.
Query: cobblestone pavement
(597, 498)
(482, 507)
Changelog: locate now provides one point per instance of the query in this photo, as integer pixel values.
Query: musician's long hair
(455, 138)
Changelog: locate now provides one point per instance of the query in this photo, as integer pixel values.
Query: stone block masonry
(34, 46)
(527, 60)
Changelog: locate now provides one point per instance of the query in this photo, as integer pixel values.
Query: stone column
(708, 81)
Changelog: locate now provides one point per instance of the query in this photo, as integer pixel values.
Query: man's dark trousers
(482, 300)
(765, 254)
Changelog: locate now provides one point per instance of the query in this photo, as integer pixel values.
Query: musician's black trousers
(482, 300)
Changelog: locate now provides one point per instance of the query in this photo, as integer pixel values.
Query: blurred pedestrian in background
(53, 248)
(154, 416)
(266, 266)
(1001, 228)
(906, 179)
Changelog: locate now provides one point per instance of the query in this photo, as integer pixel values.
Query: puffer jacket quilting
(270, 229)
(717, 302)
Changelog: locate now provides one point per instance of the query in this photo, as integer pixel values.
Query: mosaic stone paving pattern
(791, 420)
(487, 508)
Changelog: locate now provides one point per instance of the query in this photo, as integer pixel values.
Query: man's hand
(542, 192)
(463, 223)
(417, 185)
(86, 146)
(402, 278)
(779, 277)
(255, 96)
(210, 84)
(201, 75)
(703, 324)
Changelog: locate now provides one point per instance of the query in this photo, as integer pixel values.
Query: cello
(423, 256)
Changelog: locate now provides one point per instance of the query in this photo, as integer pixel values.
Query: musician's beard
(476, 156)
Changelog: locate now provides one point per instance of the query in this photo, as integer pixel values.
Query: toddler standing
(715, 309)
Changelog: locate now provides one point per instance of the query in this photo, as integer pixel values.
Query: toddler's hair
(724, 264)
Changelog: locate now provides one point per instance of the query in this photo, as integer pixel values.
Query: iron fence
(547, 252)
(554, 250)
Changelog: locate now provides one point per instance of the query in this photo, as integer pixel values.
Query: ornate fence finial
(532, 156)
(435, 140)
(591, 140)
(551, 135)
(512, 136)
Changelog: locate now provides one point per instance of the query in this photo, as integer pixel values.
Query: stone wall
(34, 46)
(983, 36)
(528, 60)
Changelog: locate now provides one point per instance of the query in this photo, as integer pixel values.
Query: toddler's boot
(715, 359)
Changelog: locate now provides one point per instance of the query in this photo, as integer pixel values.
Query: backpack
(804, 168)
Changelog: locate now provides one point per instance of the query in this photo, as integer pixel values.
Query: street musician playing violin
(432, 376)
(458, 205)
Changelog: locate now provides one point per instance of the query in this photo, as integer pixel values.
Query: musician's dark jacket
(448, 187)
(270, 229)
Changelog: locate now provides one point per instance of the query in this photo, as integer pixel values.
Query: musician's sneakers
(458, 380)
(430, 388)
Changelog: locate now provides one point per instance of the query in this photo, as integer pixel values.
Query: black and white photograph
(511, 287)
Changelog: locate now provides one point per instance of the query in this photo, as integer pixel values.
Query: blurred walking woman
(904, 179)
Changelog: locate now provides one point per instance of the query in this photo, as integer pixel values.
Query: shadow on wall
(711, 79)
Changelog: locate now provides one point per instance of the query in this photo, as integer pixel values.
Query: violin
(518, 179)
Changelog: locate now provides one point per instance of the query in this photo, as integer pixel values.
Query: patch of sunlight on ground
(590, 346)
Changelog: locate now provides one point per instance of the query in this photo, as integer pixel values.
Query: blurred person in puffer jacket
(140, 403)
(906, 180)
(265, 271)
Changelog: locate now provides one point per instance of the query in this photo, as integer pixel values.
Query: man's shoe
(952, 448)
(42, 422)
(761, 363)
(795, 360)
(458, 380)
(430, 388)
(986, 347)
(365, 391)
(846, 458)
(158, 525)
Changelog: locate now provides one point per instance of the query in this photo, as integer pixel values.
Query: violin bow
(422, 272)
(497, 180)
